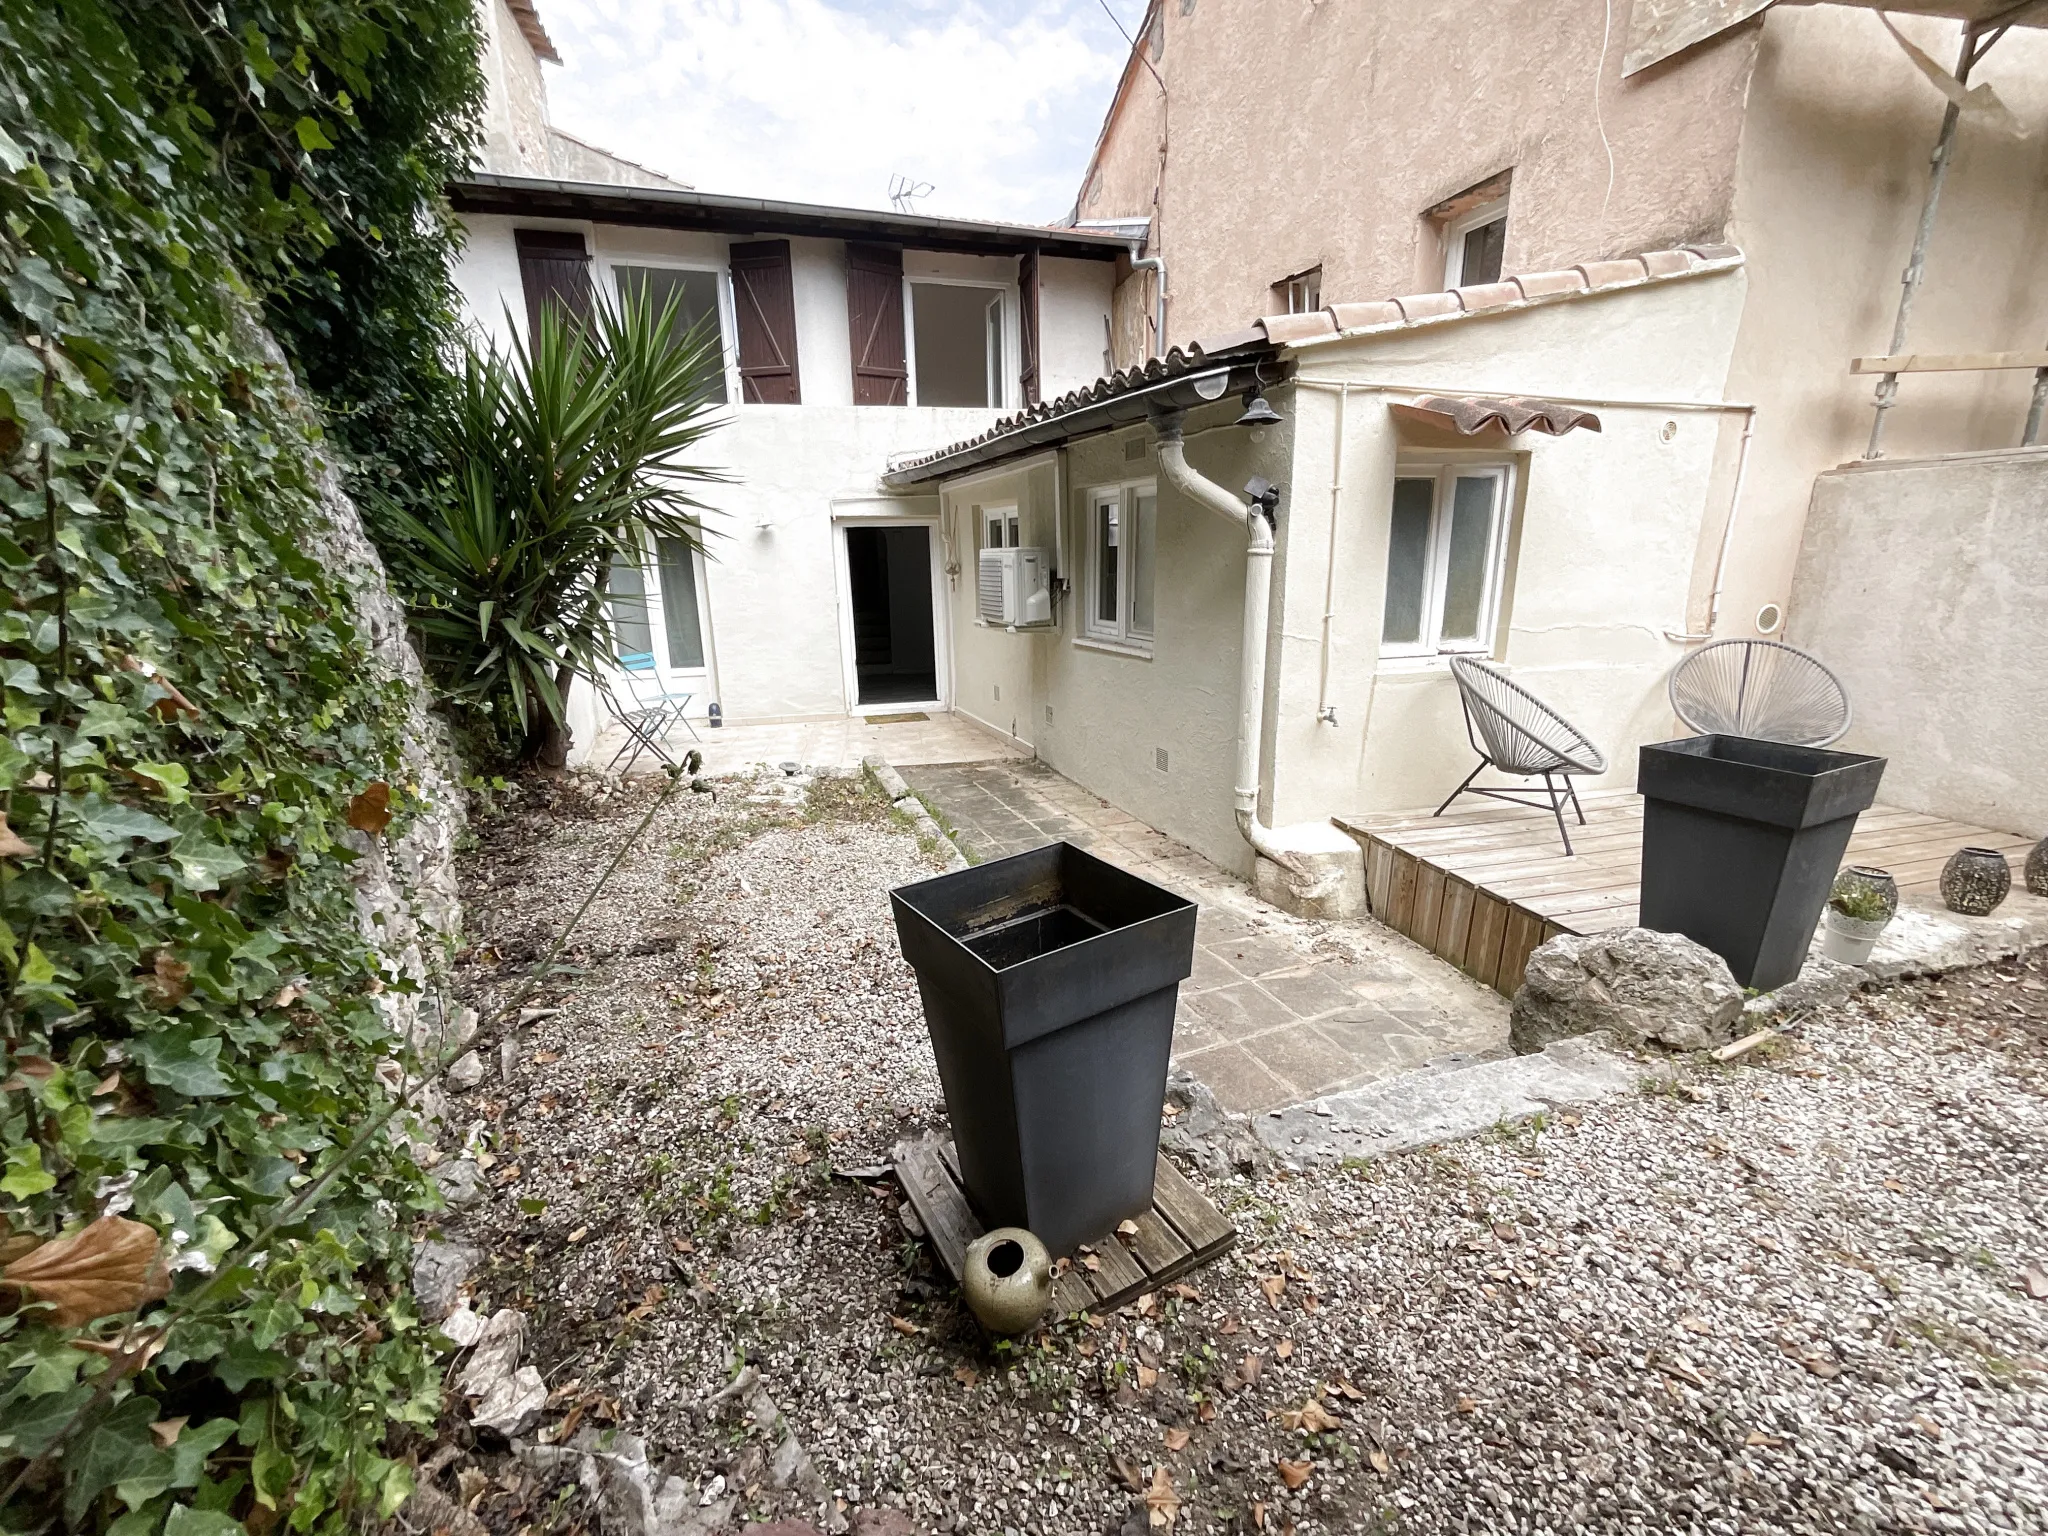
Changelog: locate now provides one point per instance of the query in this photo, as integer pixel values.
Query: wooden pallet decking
(1486, 882)
(1182, 1231)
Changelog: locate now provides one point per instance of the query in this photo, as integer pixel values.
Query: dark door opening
(889, 573)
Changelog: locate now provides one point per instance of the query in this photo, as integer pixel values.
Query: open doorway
(889, 581)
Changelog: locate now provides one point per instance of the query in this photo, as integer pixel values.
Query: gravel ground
(1807, 1292)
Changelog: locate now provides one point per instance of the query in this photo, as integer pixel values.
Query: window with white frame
(658, 598)
(999, 527)
(1474, 243)
(1300, 294)
(695, 292)
(1122, 541)
(956, 343)
(1446, 552)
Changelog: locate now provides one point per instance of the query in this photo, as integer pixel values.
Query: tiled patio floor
(1280, 1009)
(840, 742)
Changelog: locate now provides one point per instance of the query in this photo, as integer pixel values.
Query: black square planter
(1741, 842)
(1049, 982)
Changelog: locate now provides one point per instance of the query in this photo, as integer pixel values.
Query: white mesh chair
(1759, 688)
(1515, 732)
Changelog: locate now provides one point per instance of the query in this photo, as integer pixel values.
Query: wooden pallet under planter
(1182, 1231)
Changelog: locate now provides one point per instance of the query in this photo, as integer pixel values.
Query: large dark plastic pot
(1049, 982)
(1741, 840)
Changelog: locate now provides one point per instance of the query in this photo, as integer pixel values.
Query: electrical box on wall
(1014, 589)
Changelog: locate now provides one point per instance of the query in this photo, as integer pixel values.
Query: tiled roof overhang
(535, 34)
(535, 197)
(1181, 380)
(1470, 414)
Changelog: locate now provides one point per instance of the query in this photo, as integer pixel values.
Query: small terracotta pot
(1975, 881)
(1008, 1279)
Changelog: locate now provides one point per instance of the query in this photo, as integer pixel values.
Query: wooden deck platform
(1486, 882)
(1182, 1231)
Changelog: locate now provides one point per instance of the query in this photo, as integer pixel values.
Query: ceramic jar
(1975, 881)
(1008, 1280)
(1871, 898)
(2037, 868)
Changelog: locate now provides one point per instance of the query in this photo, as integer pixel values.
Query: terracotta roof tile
(1428, 306)
(1613, 274)
(1359, 317)
(536, 35)
(1478, 296)
(1541, 285)
(1716, 252)
(1305, 327)
(1666, 263)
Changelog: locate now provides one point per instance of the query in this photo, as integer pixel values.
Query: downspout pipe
(1157, 265)
(1255, 519)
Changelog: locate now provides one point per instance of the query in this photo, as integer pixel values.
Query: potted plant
(1860, 905)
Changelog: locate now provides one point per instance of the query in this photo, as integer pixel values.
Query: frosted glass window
(1143, 538)
(679, 616)
(1108, 534)
(1408, 561)
(1123, 546)
(1446, 547)
(627, 595)
(1465, 572)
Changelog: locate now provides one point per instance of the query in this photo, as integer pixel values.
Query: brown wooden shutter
(764, 298)
(553, 265)
(1027, 322)
(874, 308)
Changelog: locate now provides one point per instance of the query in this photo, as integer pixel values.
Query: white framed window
(1300, 294)
(699, 294)
(1473, 244)
(1000, 527)
(1446, 555)
(1123, 541)
(657, 608)
(956, 342)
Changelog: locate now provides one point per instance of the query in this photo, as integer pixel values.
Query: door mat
(909, 719)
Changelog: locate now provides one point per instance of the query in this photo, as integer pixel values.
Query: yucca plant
(568, 453)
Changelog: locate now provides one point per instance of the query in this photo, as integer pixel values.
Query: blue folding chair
(649, 711)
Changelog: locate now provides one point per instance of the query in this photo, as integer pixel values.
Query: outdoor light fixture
(1257, 413)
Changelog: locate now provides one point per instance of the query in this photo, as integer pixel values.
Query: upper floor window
(695, 292)
(1122, 539)
(1446, 554)
(1300, 294)
(956, 344)
(1473, 244)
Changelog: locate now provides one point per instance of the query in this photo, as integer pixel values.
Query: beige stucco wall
(1924, 584)
(515, 97)
(1830, 181)
(1601, 559)
(1306, 134)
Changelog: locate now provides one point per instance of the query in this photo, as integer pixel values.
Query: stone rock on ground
(465, 1072)
(461, 1181)
(438, 1271)
(1217, 1142)
(510, 1396)
(1821, 983)
(1636, 983)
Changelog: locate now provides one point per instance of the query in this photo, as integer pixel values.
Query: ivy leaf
(26, 1174)
(118, 1447)
(184, 1520)
(171, 778)
(311, 135)
(29, 1427)
(114, 1265)
(172, 1058)
(109, 821)
(203, 865)
(180, 1468)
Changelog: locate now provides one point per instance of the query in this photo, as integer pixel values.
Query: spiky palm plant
(571, 452)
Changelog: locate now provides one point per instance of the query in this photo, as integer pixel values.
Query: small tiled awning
(1470, 414)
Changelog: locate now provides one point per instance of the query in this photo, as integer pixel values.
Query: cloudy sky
(996, 104)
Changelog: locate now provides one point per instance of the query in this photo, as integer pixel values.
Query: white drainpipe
(1258, 590)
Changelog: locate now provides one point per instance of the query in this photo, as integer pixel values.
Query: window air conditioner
(1013, 588)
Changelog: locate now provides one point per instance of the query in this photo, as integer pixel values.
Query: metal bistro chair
(648, 712)
(1759, 688)
(1515, 732)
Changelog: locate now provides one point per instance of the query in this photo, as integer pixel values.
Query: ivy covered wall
(227, 813)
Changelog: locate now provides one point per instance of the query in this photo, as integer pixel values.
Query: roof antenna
(904, 191)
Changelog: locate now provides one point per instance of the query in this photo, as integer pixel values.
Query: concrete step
(1446, 1103)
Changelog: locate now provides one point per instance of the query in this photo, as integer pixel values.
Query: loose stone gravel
(1805, 1292)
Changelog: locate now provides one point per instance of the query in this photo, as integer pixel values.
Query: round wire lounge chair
(1759, 688)
(1515, 732)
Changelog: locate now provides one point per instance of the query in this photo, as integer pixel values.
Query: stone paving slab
(1280, 1009)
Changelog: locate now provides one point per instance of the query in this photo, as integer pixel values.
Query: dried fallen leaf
(287, 994)
(167, 981)
(1468, 1405)
(28, 1072)
(166, 1430)
(1249, 1367)
(110, 1266)
(1206, 1410)
(1294, 1473)
(1177, 1439)
(902, 1324)
(1826, 1370)
(1311, 1303)
(1758, 1437)
(1926, 1426)
(1258, 1515)
(1284, 1350)
(1695, 1325)
(1185, 1292)
(1133, 1479)
(1230, 1325)
(1091, 1262)
(966, 1375)
(12, 845)
(1506, 1232)
(1382, 1463)
(1147, 1378)
(1127, 1229)
(579, 1234)
(370, 811)
(1162, 1503)
(1275, 1286)
(547, 1058)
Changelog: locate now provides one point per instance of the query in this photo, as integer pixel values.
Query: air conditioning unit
(1013, 587)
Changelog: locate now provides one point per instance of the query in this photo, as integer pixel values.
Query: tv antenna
(904, 191)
